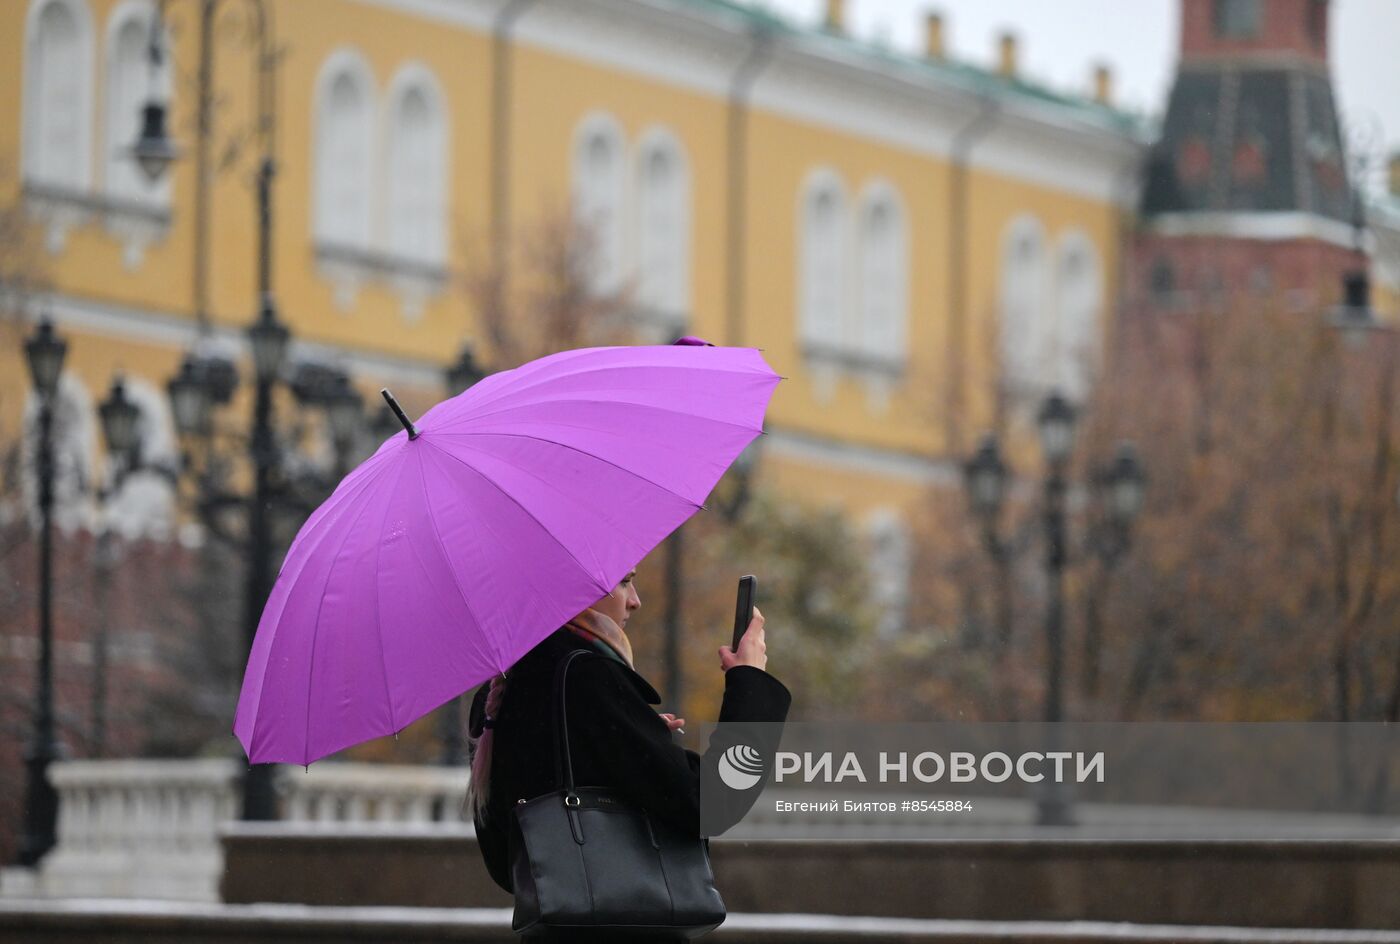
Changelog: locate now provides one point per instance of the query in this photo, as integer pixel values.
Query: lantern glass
(189, 400)
(269, 339)
(45, 351)
(119, 420)
(1056, 425)
(1127, 485)
(985, 479)
(154, 151)
(343, 411)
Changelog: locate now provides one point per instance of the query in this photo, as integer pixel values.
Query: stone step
(113, 921)
(1348, 883)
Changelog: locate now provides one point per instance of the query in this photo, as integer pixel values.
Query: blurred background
(1087, 312)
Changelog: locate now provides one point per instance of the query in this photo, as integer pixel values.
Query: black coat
(616, 738)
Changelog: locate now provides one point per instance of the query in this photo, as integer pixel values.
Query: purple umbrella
(462, 543)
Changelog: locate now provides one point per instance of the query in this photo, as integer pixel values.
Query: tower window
(1237, 19)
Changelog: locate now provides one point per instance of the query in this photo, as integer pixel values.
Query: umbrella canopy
(442, 559)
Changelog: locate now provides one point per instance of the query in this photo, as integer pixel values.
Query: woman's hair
(479, 749)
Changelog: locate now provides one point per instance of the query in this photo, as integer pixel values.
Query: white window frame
(1025, 370)
(417, 77)
(608, 243)
(116, 134)
(33, 108)
(815, 338)
(881, 194)
(673, 305)
(1078, 348)
(346, 61)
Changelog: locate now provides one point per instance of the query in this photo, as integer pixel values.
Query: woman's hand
(672, 722)
(752, 649)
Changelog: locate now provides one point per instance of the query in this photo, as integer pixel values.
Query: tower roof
(1251, 124)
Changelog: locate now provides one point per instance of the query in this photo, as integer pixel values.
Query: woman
(617, 739)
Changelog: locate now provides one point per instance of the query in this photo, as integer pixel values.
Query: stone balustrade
(372, 793)
(150, 828)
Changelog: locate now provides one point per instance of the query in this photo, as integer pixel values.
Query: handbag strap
(563, 760)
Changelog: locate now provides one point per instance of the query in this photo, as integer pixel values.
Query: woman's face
(621, 602)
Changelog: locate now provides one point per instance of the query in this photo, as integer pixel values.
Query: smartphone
(743, 609)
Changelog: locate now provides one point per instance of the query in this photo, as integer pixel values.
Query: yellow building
(893, 231)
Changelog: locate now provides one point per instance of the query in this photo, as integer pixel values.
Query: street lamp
(45, 352)
(464, 372)
(1118, 491)
(344, 417)
(197, 387)
(984, 476)
(154, 151)
(1055, 422)
(1125, 485)
(122, 432)
(985, 479)
(119, 418)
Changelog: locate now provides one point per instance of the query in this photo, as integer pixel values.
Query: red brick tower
(1246, 191)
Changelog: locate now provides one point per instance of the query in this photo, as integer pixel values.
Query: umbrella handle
(398, 411)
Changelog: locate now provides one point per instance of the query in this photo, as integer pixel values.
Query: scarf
(605, 634)
(599, 629)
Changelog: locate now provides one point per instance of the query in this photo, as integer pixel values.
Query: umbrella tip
(398, 411)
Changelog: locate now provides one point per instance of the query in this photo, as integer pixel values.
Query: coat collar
(546, 655)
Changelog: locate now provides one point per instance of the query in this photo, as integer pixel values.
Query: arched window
(344, 168)
(822, 294)
(1026, 330)
(129, 87)
(883, 293)
(58, 94)
(417, 191)
(599, 174)
(1078, 299)
(663, 225)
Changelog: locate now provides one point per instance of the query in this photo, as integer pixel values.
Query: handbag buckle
(572, 800)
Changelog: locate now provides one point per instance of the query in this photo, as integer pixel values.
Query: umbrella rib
(316, 632)
(535, 381)
(448, 430)
(581, 452)
(378, 623)
(553, 537)
(359, 487)
(442, 548)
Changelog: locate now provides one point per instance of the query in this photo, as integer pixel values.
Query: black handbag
(586, 864)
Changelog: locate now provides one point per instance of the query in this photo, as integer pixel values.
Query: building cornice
(828, 81)
(1268, 227)
(101, 317)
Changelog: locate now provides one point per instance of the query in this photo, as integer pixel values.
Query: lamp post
(119, 428)
(1056, 427)
(463, 374)
(1119, 490)
(121, 431)
(44, 351)
(985, 475)
(268, 337)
